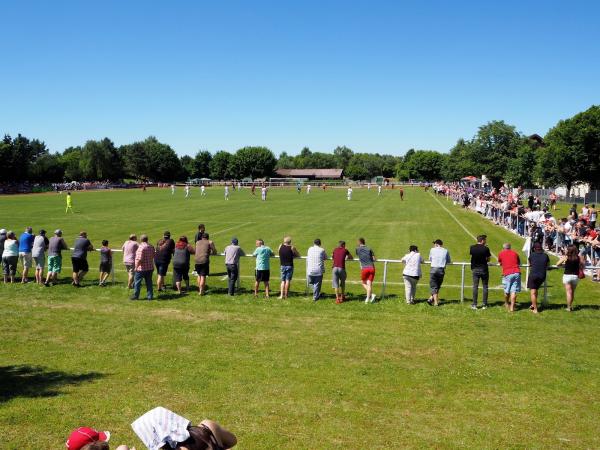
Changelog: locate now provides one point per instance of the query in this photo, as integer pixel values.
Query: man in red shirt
(511, 275)
(339, 256)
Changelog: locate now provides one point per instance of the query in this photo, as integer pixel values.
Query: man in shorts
(56, 245)
(262, 253)
(129, 249)
(165, 248)
(439, 257)
(25, 246)
(79, 258)
(287, 253)
(38, 252)
(204, 248)
(511, 275)
(366, 257)
(338, 276)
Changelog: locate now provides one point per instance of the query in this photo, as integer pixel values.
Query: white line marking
(231, 228)
(457, 221)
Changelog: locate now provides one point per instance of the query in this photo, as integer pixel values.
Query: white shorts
(571, 279)
(26, 260)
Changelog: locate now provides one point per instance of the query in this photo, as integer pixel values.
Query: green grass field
(293, 374)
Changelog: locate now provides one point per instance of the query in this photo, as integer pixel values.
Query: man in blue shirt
(25, 246)
(263, 266)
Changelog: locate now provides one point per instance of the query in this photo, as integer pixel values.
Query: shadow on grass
(35, 381)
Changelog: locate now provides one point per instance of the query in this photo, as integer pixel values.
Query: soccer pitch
(293, 374)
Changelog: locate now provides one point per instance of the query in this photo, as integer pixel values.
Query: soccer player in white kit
(308, 189)
(349, 193)
(226, 192)
(172, 189)
(202, 190)
(263, 193)
(187, 190)
(379, 190)
(368, 186)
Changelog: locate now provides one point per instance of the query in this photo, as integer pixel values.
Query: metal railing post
(385, 265)
(462, 283)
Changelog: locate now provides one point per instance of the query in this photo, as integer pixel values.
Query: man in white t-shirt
(315, 267)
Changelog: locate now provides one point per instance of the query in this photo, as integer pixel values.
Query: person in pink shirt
(143, 266)
(511, 275)
(129, 248)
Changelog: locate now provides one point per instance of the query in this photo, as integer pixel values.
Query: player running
(202, 190)
(379, 189)
(69, 203)
(187, 190)
(349, 193)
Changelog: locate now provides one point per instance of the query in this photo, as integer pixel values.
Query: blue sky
(376, 76)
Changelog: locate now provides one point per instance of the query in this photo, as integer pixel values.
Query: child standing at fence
(105, 263)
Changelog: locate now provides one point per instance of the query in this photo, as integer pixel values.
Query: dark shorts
(181, 273)
(105, 267)
(9, 265)
(436, 278)
(80, 265)
(202, 270)
(535, 282)
(162, 267)
(263, 275)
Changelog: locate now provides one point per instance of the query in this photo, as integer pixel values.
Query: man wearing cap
(88, 438)
(40, 245)
(338, 273)
(315, 267)
(25, 246)
(161, 428)
(164, 252)
(79, 261)
(439, 257)
(143, 266)
(262, 253)
(129, 249)
(56, 245)
(511, 275)
(233, 253)
(204, 248)
(480, 256)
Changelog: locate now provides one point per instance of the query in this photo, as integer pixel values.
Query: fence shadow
(35, 381)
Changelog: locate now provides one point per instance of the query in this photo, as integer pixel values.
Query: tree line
(569, 153)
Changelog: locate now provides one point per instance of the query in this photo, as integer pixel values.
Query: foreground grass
(294, 374)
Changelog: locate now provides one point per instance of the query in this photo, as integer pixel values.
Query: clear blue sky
(376, 76)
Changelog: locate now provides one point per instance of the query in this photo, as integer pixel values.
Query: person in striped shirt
(144, 267)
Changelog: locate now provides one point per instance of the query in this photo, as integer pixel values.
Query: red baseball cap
(84, 435)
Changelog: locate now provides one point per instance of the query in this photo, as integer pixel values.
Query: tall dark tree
(202, 164)
(253, 162)
(220, 165)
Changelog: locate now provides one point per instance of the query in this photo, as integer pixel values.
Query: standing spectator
(79, 261)
(338, 276)
(105, 263)
(480, 256)
(233, 252)
(287, 253)
(25, 246)
(511, 275)
(204, 248)
(538, 265)
(38, 252)
(439, 258)
(262, 253)
(181, 263)
(574, 265)
(315, 267)
(411, 273)
(55, 247)
(199, 233)
(593, 214)
(164, 252)
(2, 239)
(129, 249)
(10, 257)
(366, 257)
(143, 266)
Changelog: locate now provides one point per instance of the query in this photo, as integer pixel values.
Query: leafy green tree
(187, 166)
(425, 165)
(137, 162)
(572, 151)
(70, 162)
(342, 156)
(285, 161)
(202, 164)
(520, 170)
(254, 162)
(220, 166)
(459, 163)
(100, 160)
(17, 156)
(164, 163)
(47, 169)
